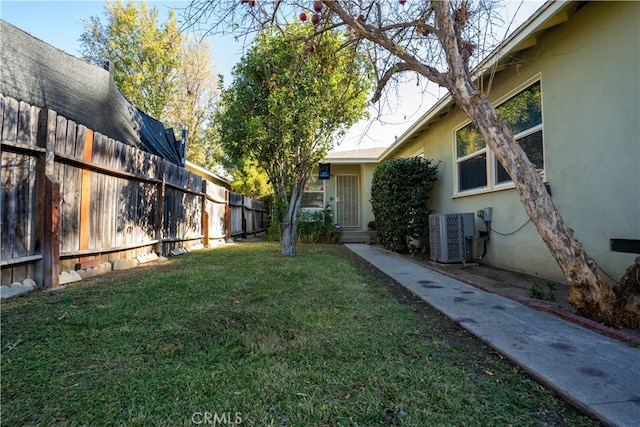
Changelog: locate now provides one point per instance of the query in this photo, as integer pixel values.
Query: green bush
(310, 226)
(274, 230)
(400, 193)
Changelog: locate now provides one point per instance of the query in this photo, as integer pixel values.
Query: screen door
(347, 201)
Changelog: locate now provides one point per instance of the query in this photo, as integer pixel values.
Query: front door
(347, 200)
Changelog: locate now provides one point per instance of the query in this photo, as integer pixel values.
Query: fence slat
(71, 185)
(10, 120)
(84, 149)
(1, 116)
(10, 167)
(104, 199)
(32, 212)
(51, 248)
(24, 124)
(97, 181)
(8, 207)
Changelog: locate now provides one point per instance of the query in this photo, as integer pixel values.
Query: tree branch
(396, 68)
(422, 26)
(375, 35)
(459, 68)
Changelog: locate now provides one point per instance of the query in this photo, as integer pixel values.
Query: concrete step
(357, 237)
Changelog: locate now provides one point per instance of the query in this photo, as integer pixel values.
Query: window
(471, 152)
(313, 196)
(477, 167)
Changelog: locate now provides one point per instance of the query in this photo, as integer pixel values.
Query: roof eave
(514, 42)
(207, 172)
(344, 160)
(510, 45)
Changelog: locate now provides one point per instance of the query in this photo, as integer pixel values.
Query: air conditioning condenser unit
(450, 237)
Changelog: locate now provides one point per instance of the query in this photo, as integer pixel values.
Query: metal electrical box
(450, 237)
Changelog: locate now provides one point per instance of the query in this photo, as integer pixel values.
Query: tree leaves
(286, 105)
(162, 73)
(400, 192)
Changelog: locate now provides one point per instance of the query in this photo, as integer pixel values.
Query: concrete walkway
(597, 374)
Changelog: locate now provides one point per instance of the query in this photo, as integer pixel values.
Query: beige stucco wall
(367, 171)
(589, 68)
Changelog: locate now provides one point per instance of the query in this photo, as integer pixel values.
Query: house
(348, 189)
(207, 174)
(568, 82)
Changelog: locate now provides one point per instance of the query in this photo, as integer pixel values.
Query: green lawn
(240, 334)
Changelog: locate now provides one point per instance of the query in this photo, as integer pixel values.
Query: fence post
(227, 213)
(51, 247)
(205, 214)
(45, 138)
(159, 219)
(244, 218)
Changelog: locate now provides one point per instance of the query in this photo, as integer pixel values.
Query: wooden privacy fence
(247, 215)
(72, 198)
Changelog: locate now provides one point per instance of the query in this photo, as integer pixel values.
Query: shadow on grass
(242, 334)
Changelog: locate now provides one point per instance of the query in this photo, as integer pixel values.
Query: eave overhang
(548, 15)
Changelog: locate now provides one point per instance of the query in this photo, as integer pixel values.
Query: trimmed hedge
(400, 193)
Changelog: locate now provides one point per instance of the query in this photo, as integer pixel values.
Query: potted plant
(331, 231)
(318, 227)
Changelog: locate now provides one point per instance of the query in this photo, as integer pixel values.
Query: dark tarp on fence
(42, 75)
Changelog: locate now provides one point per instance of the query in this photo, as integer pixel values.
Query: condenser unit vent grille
(450, 237)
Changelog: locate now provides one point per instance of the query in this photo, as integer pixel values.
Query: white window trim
(491, 159)
(324, 199)
(510, 184)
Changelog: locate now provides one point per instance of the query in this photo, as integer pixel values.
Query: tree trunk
(290, 223)
(288, 237)
(628, 295)
(588, 292)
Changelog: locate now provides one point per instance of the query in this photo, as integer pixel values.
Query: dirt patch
(160, 266)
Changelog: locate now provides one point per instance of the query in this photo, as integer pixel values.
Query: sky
(59, 23)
